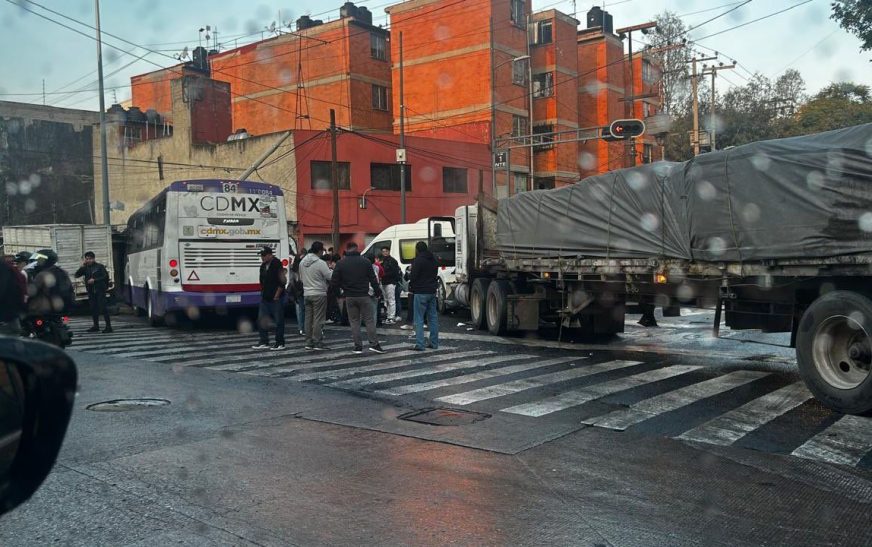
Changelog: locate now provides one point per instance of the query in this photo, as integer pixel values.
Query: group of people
(319, 280)
(33, 284)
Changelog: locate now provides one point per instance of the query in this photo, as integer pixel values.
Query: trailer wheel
(441, 297)
(834, 351)
(497, 302)
(478, 303)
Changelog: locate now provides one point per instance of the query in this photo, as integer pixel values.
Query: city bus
(196, 246)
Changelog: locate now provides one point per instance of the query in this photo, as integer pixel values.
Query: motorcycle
(51, 329)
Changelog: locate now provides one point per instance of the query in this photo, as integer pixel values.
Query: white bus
(196, 245)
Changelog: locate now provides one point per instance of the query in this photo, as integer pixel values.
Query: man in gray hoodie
(315, 274)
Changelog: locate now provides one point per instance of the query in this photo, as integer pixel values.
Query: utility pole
(694, 84)
(630, 87)
(104, 162)
(334, 180)
(714, 73)
(401, 154)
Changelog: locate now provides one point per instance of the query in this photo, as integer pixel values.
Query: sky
(34, 50)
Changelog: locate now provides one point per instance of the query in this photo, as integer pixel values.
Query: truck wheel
(478, 302)
(497, 302)
(441, 297)
(834, 352)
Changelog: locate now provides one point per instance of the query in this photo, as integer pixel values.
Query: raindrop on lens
(865, 222)
(649, 222)
(717, 246)
(761, 162)
(751, 213)
(706, 190)
(815, 180)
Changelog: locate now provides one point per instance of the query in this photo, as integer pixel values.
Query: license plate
(233, 298)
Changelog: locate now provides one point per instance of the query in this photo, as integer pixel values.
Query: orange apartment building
(490, 72)
(475, 71)
(292, 81)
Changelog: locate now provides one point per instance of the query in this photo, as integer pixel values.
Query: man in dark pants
(354, 274)
(97, 283)
(271, 310)
(422, 282)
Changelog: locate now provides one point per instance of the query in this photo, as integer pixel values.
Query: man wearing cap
(271, 311)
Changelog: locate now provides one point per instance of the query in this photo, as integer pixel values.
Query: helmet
(23, 256)
(44, 258)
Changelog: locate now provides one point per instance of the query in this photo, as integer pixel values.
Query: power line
(773, 14)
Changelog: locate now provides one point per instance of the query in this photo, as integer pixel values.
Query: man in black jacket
(271, 311)
(422, 282)
(97, 283)
(389, 282)
(354, 275)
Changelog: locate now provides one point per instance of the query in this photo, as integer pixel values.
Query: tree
(855, 16)
(670, 32)
(838, 105)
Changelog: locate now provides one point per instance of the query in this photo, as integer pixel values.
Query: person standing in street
(355, 275)
(315, 274)
(389, 282)
(97, 283)
(422, 282)
(295, 287)
(271, 311)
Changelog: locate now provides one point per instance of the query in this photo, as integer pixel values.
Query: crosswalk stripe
(467, 378)
(845, 442)
(169, 346)
(586, 394)
(516, 386)
(286, 371)
(449, 367)
(193, 350)
(125, 341)
(316, 357)
(675, 399)
(432, 358)
(732, 426)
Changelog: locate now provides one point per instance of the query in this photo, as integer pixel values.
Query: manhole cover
(123, 405)
(444, 416)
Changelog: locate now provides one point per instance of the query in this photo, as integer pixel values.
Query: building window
(646, 110)
(518, 16)
(377, 46)
(647, 153)
(543, 84)
(519, 126)
(379, 97)
(321, 175)
(519, 182)
(454, 180)
(542, 136)
(542, 33)
(519, 72)
(386, 176)
(649, 73)
(543, 183)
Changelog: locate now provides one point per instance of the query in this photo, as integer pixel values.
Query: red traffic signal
(626, 129)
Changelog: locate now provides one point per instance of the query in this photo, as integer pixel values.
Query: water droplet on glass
(428, 174)
(815, 180)
(857, 319)
(11, 189)
(587, 161)
(706, 190)
(751, 213)
(865, 222)
(761, 162)
(649, 222)
(637, 181)
(717, 246)
(684, 292)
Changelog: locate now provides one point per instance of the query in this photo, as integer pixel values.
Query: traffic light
(624, 129)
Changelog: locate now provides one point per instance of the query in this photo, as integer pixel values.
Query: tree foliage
(855, 16)
(670, 31)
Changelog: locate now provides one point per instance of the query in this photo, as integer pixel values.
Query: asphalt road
(662, 436)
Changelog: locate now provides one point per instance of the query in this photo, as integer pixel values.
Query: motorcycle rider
(50, 292)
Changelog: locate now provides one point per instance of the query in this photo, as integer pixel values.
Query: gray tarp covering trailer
(796, 198)
(777, 235)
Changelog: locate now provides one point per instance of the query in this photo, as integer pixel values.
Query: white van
(401, 240)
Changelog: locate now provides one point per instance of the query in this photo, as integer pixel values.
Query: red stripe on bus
(231, 287)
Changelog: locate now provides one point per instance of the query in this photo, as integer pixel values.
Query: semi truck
(69, 241)
(775, 235)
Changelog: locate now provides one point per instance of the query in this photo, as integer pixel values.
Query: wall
(427, 157)
(139, 170)
(46, 164)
